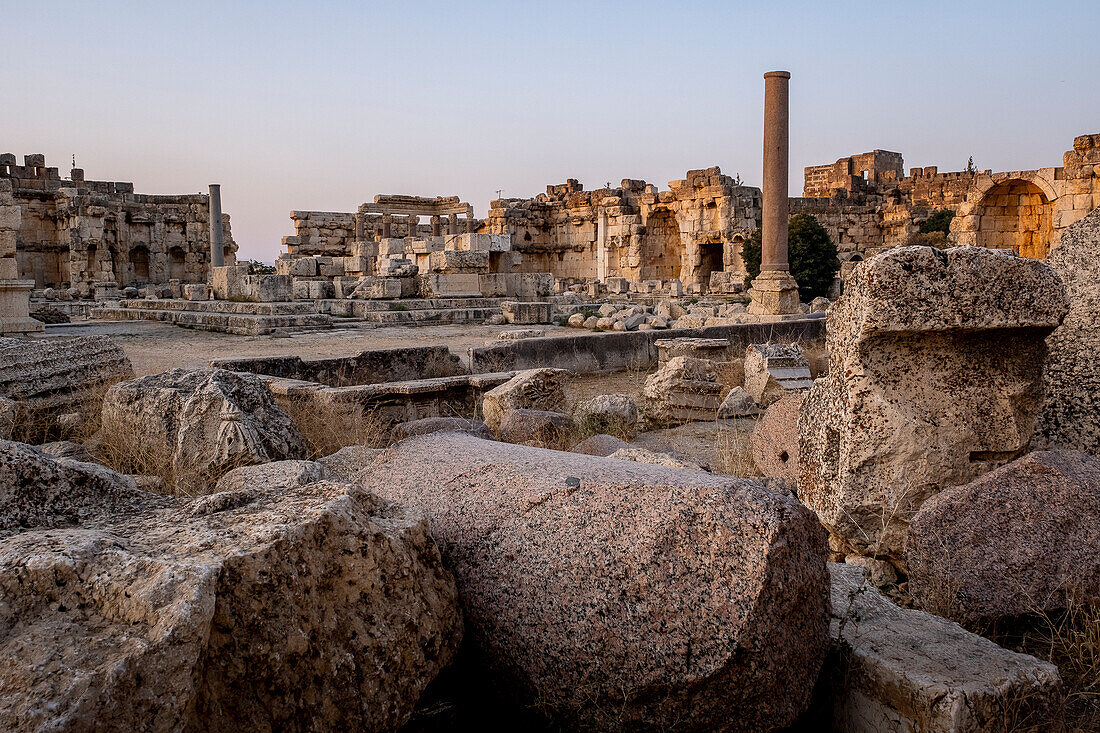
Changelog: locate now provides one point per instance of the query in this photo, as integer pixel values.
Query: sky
(320, 106)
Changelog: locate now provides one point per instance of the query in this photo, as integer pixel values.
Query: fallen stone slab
(607, 413)
(897, 669)
(622, 595)
(197, 425)
(685, 389)
(46, 378)
(738, 403)
(1022, 539)
(773, 370)
(269, 476)
(537, 427)
(532, 389)
(346, 463)
(426, 425)
(935, 378)
(318, 607)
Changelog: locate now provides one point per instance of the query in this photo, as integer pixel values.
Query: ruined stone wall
(634, 230)
(323, 233)
(1019, 210)
(80, 232)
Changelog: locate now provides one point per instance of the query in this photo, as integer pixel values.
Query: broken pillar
(217, 235)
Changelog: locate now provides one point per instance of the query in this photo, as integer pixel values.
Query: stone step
(239, 324)
(429, 316)
(227, 307)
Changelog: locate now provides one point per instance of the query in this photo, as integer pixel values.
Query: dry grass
(131, 452)
(734, 451)
(329, 427)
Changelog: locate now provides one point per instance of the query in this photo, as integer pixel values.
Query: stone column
(413, 221)
(601, 247)
(774, 292)
(452, 224)
(217, 236)
(437, 230)
(387, 229)
(470, 219)
(360, 228)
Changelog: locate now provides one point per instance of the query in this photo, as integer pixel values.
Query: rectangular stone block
(520, 312)
(196, 291)
(440, 285)
(458, 261)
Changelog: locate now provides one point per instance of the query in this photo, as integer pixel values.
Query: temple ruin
(75, 232)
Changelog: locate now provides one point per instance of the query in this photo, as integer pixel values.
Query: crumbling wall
(80, 232)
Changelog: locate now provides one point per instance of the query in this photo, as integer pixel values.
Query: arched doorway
(1016, 215)
(139, 261)
(177, 265)
(660, 247)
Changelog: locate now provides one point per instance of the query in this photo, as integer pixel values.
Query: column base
(773, 293)
(15, 306)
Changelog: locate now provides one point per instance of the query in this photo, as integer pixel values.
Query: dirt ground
(156, 347)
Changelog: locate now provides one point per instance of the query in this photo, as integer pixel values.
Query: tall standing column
(217, 235)
(773, 253)
(774, 292)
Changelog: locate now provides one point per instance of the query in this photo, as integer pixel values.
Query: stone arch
(139, 263)
(1015, 214)
(661, 247)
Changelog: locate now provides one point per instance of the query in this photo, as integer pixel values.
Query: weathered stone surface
(642, 455)
(934, 379)
(271, 476)
(346, 463)
(738, 403)
(537, 427)
(317, 608)
(775, 439)
(7, 418)
(683, 390)
(1071, 379)
(622, 595)
(600, 445)
(66, 449)
(1022, 539)
(607, 413)
(198, 424)
(427, 425)
(896, 669)
(50, 377)
(533, 389)
(773, 370)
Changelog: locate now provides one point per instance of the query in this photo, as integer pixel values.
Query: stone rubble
(534, 389)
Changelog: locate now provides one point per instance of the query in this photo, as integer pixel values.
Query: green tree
(811, 252)
(940, 221)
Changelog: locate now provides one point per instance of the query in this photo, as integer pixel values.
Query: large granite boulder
(601, 445)
(318, 607)
(774, 440)
(621, 595)
(1022, 539)
(196, 425)
(935, 378)
(274, 475)
(1071, 412)
(533, 389)
(897, 669)
(426, 425)
(47, 378)
(540, 428)
(346, 463)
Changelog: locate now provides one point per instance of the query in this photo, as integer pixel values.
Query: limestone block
(439, 285)
(896, 669)
(685, 389)
(296, 266)
(1071, 377)
(377, 288)
(106, 291)
(333, 268)
(590, 546)
(738, 403)
(231, 282)
(199, 424)
(773, 370)
(538, 428)
(459, 261)
(934, 379)
(607, 413)
(270, 288)
(196, 291)
(198, 614)
(618, 285)
(533, 389)
(519, 312)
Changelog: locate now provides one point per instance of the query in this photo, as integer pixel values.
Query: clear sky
(322, 105)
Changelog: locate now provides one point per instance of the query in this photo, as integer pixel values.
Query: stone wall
(1019, 210)
(80, 232)
(634, 230)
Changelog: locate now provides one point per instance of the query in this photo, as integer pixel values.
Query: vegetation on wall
(940, 221)
(811, 252)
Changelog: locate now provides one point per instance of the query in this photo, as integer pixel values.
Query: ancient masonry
(868, 204)
(75, 232)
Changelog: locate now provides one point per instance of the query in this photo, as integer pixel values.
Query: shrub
(812, 254)
(939, 221)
